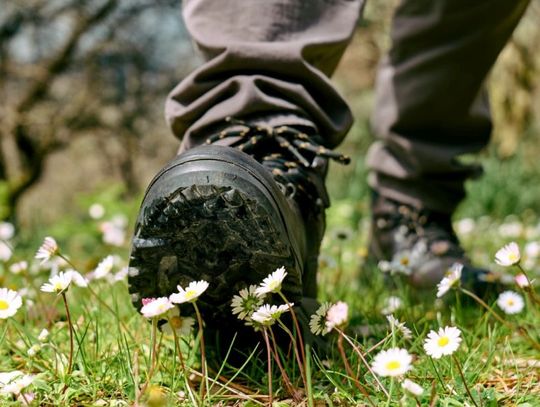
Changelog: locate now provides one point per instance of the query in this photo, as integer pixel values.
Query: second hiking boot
(419, 243)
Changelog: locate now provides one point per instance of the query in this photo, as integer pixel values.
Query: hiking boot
(419, 243)
(231, 214)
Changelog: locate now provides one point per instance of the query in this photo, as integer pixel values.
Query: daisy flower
(7, 230)
(58, 283)
(451, 279)
(190, 294)
(145, 301)
(96, 211)
(508, 255)
(121, 275)
(521, 280)
(510, 302)
(401, 262)
(412, 387)
(47, 250)
(443, 342)
(104, 267)
(16, 384)
(5, 251)
(268, 314)
(337, 315)
(176, 323)
(246, 302)
(157, 307)
(43, 335)
(317, 322)
(78, 279)
(19, 267)
(33, 350)
(399, 326)
(392, 362)
(10, 302)
(392, 304)
(272, 283)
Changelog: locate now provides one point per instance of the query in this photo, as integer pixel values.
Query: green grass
(112, 349)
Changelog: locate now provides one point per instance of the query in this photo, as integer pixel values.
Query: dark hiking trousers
(269, 61)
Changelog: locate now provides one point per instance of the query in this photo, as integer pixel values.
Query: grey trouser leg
(431, 106)
(267, 61)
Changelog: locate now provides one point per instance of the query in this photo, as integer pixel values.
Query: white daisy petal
(77, 278)
(510, 302)
(58, 283)
(395, 324)
(156, 307)
(391, 305)
(104, 267)
(337, 315)
(508, 255)
(268, 314)
(317, 322)
(10, 302)
(443, 342)
(451, 279)
(272, 283)
(412, 387)
(17, 383)
(19, 267)
(392, 362)
(192, 292)
(246, 302)
(47, 250)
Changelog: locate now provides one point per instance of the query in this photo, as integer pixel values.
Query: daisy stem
(296, 354)
(97, 297)
(529, 288)
(178, 350)
(23, 396)
(350, 371)
(269, 356)
(153, 357)
(309, 388)
(286, 378)
(203, 349)
(70, 324)
(391, 392)
(298, 333)
(521, 330)
(359, 353)
(464, 380)
(104, 304)
(66, 260)
(487, 307)
(437, 373)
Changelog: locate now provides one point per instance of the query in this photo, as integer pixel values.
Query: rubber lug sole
(215, 229)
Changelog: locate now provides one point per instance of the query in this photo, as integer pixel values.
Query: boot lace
(295, 159)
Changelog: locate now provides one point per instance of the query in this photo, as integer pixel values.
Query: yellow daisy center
(393, 365)
(443, 341)
(176, 322)
(58, 286)
(512, 257)
(4, 305)
(510, 302)
(404, 261)
(273, 285)
(191, 294)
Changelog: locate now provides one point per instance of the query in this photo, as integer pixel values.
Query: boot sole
(212, 214)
